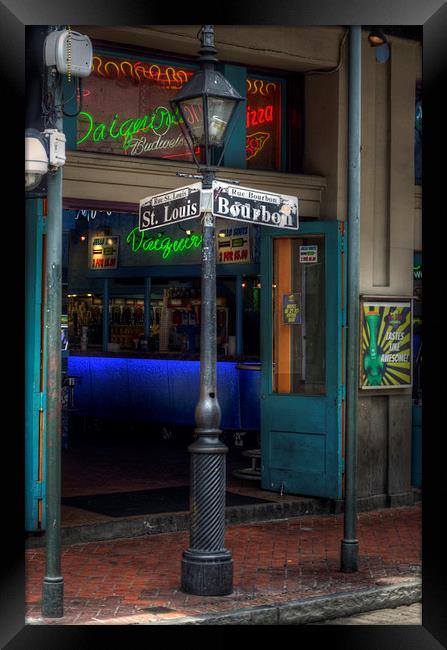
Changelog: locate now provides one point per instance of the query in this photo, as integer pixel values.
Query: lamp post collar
(207, 51)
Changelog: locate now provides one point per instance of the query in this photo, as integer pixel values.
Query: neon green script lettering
(163, 243)
(97, 131)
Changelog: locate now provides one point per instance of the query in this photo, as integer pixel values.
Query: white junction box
(56, 147)
(70, 52)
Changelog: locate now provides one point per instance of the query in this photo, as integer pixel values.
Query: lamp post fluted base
(207, 574)
(349, 556)
(53, 597)
(207, 566)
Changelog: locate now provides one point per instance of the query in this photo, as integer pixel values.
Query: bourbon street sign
(165, 209)
(223, 200)
(254, 206)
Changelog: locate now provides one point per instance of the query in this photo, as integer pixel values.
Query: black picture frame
(14, 15)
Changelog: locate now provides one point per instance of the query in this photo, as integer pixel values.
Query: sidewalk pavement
(285, 571)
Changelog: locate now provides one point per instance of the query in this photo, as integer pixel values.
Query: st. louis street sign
(224, 200)
(171, 207)
(254, 206)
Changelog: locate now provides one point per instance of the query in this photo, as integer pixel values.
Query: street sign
(254, 206)
(171, 207)
(224, 200)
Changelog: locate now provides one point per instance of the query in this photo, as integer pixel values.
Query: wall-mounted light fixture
(378, 41)
(376, 37)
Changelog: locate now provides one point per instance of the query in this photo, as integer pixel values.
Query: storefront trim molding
(174, 271)
(108, 179)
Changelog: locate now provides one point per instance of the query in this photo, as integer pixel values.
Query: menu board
(386, 344)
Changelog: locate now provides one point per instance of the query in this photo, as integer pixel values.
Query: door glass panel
(299, 315)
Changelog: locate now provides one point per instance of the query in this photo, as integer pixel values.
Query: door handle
(263, 396)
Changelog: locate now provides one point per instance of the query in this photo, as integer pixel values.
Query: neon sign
(168, 76)
(139, 241)
(161, 117)
(263, 124)
(259, 115)
(89, 214)
(255, 143)
(263, 89)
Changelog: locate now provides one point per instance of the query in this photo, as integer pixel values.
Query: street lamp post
(205, 106)
(53, 582)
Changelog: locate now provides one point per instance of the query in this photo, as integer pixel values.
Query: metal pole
(239, 315)
(207, 567)
(105, 314)
(349, 545)
(53, 582)
(147, 308)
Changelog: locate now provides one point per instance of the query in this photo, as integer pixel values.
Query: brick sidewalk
(137, 580)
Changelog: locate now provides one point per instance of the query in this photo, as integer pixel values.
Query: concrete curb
(310, 610)
(176, 522)
(179, 521)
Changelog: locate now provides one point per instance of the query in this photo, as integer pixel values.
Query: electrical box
(56, 147)
(70, 52)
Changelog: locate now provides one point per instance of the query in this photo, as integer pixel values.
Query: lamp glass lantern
(206, 106)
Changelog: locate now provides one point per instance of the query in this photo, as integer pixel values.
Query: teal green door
(302, 349)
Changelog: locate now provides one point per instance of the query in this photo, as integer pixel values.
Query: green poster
(386, 345)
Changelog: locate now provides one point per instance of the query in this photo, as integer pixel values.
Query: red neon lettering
(259, 116)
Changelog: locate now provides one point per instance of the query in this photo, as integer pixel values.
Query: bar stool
(68, 405)
(252, 473)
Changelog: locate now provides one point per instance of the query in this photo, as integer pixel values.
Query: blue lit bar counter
(162, 389)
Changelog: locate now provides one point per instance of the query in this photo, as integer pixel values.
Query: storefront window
(263, 123)
(126, 109)
(299, 315)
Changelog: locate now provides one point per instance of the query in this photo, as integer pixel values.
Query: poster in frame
(386, 343)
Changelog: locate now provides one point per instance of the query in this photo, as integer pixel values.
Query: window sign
(291, 309)
(126, 109)
(233, 245)
(263, 123)
(386, 340)
(309, 254)
(104, 252)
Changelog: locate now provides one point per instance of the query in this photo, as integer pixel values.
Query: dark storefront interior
(128, 414)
